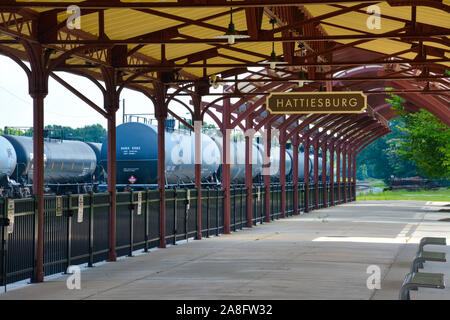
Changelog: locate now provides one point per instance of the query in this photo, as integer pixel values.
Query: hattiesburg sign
(316, 102)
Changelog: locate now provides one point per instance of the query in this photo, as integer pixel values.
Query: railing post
(69, 232)
(146, 220)
(186, 214)
(217, 211)
(208, 196)
(234, 208)
(175, 217)
(4, 239)
(91, 230)
(131, 208)
(243, 194)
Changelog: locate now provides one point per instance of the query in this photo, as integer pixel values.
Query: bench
(431, 241)
(415, 280)
(423, 256)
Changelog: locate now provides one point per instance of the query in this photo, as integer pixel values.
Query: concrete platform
(320, 255)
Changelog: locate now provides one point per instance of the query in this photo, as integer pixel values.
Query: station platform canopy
(180, 43)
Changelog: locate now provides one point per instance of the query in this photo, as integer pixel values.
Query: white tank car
(8, 158)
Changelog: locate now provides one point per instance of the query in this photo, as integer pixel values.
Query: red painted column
(344, 170)
(111, 103)
(38, 176)
(349, 173)
(316, 174)
(332, 173)
(295, 172)
(198, 122)
(38, 90)
(162, 177)
(324, 173)
(226, 166)
(306, 171)
(248, 170)
(267, 146)
(112, 171)
(338, 172)
(198, 183)
(283, 173)
(354, 176)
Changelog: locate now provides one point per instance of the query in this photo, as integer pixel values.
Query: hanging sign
(316, 102)
(11, 210)
(139, 206)
(59, 206)
(80, 208)
(188, 199)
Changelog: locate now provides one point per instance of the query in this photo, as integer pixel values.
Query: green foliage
(423, 195)
(91, 133)
(17, 131)
(381, 160)
(419, 145)
(425, 141)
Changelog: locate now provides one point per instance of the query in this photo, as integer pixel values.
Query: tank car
(100, 172)
(8, 162)
(237, 160)
(67, 164)
(137, 156)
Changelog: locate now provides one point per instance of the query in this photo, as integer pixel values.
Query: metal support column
(248, 170)
(198, 121)
(316, 174)
(344, 171)
(354, 175)
(349, 174)
(306, 171)
(111, 103)
(295, 150)
(38, 90)
(226, 166)
(283, 173)
(266, 166)
(324, 173)
(161, 116)
(332, 173)
(338, 172)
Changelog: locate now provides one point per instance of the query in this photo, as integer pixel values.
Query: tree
(426, 141)
(381, 159)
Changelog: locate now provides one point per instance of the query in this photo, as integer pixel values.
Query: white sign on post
(11, 216)
(80, 208)
(139, 208)
(188, 199)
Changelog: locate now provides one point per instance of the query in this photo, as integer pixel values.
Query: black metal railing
(76, 227)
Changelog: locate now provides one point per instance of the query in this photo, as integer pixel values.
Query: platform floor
(320, 255)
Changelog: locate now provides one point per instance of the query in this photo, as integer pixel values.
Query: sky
(61, 106)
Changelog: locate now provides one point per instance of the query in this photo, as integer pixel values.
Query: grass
(375, 183)
(378, 183)
(423, 195)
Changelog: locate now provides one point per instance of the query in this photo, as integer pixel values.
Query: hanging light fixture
(273, 60)
(302, 79)
(231, 33)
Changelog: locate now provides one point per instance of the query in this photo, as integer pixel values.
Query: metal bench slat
(428, 280)
(433, 241)
(433, 256)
